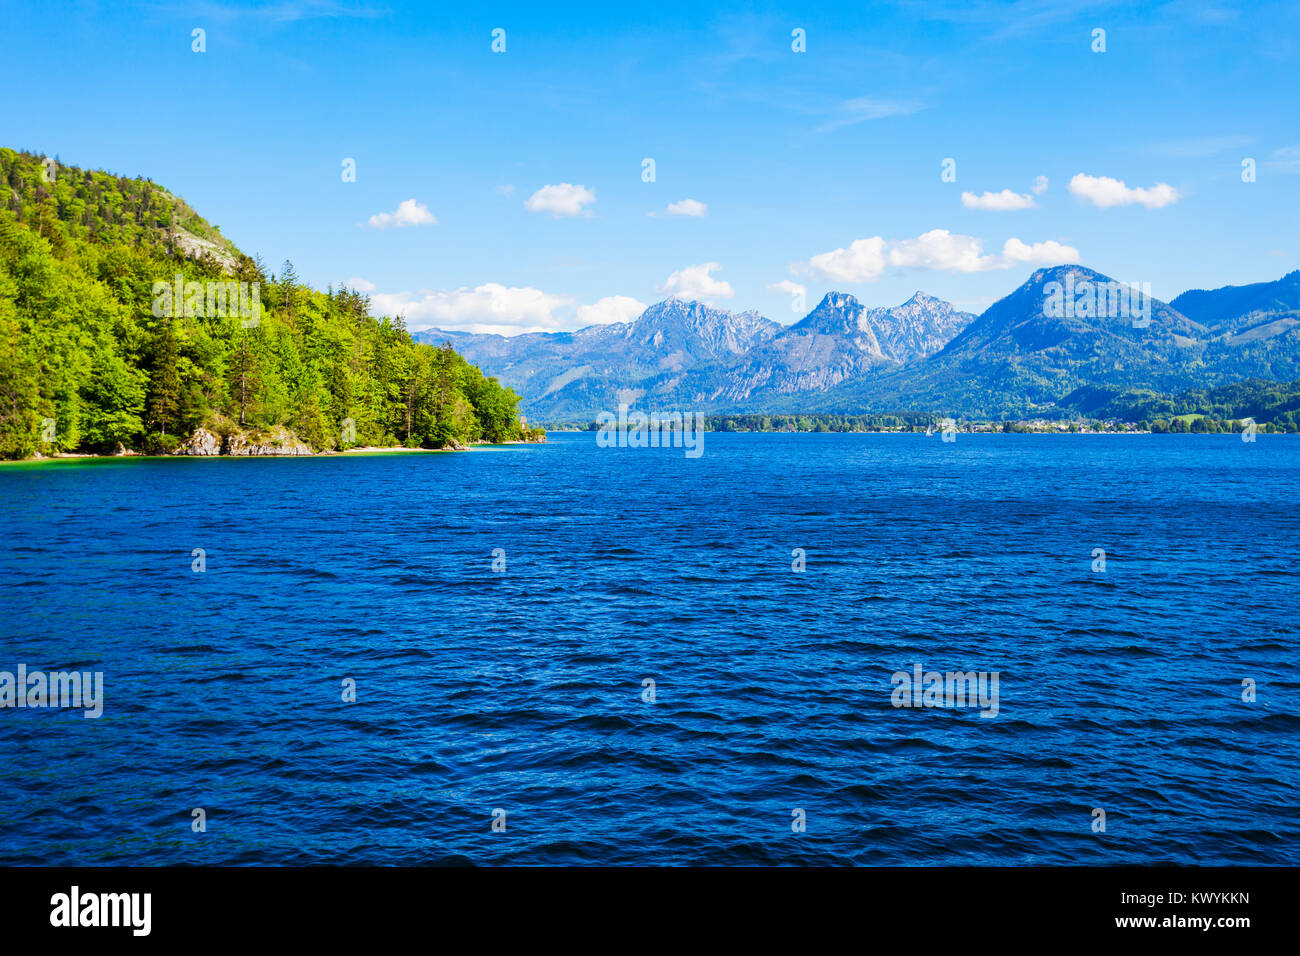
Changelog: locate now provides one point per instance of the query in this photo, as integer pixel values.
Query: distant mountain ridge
(680, 353)
(1020, 357)
(1217, 306)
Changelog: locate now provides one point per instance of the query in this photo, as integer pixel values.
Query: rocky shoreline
(281, 442)
(277, 442)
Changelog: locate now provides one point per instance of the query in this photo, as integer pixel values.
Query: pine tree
(245, 379)
(165, 381)
(288, 288)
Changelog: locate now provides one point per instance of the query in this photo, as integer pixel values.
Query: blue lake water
(522, 691)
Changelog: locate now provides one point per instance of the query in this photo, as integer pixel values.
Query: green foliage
(1274, 406)
(83, 341)
(62, 203)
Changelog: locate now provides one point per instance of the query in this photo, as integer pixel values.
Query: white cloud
(687, 207)
(1004, 201)
(612, 308)
(504, 310)
(1040, 185)
(564, 199)
(1049, 253)
(866, 260)
(408, 213)
(696, 282)
(1104, 192)
(941, 251)
(862, 261)
(490, 307)
(789, 288)
(360, 285)
(505, 189)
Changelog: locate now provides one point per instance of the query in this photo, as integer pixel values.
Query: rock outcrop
(280, 441)
(202, 442)
(275, 442)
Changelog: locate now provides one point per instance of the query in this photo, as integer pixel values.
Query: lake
(566, 654)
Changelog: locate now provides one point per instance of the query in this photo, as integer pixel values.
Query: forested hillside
(1274, 403)
(93, 359)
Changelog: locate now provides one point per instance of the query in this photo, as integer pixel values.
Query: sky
(876, 149)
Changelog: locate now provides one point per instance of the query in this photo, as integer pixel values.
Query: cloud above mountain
(1049, 253)
(1105, 192)
(490, 307)
(788, 287)
(493, 308)
(612, 308)
(697, 283)
(866, 260)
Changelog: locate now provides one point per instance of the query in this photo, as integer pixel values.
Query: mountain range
(1021, 357)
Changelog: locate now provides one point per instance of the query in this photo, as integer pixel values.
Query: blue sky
(819, 169)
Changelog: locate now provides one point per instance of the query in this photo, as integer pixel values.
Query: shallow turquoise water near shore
(522, 690)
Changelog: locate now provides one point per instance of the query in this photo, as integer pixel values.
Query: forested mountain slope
(95, 355)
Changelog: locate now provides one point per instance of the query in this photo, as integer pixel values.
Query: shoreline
(402, 449)
(369, 450)
(359, 450)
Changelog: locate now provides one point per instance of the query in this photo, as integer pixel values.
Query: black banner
(333, 905)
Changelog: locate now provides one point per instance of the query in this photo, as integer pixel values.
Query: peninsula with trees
(96, 359)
